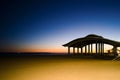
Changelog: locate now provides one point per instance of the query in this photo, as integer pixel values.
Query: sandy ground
(58, 68)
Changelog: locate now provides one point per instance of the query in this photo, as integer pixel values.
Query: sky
(45, 25)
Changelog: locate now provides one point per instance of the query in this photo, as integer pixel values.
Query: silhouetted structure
(88, 41)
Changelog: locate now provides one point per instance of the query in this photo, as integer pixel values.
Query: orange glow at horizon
(53, 49)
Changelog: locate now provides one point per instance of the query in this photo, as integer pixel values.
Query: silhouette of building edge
(88, 41)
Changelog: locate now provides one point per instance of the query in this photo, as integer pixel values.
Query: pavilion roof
(92, 38)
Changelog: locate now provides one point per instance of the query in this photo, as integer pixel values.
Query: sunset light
(44, 26)
(60, 40)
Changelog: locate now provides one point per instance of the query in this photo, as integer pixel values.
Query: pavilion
(87, 43)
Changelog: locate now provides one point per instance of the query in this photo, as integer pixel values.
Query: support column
(77, 49)
(81, 50)
(73, 50)
(68, 50)
(103, 47)
(85, 49)
(96, 47)
(91, 49)
(99, 48)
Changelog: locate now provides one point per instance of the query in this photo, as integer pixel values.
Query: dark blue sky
(50, 23)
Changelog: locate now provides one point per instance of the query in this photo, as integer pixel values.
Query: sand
(58, 68)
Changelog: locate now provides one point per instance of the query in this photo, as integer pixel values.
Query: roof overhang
(80, 42)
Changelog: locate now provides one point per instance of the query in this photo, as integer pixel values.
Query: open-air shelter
(88, 41)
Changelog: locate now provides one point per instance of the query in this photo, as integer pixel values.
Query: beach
(57, 68)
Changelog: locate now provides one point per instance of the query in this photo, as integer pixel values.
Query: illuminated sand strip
(59, 69)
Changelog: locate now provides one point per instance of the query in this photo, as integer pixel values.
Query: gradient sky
(45, 25)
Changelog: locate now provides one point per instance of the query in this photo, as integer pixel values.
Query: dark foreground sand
(57, 68)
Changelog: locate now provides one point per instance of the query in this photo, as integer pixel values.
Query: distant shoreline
(54, 55)
(31, 53)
